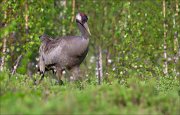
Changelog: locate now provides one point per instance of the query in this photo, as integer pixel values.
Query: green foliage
(124, 28)
(132, 33)
(19, 96)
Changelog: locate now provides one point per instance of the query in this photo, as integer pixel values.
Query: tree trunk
(99, 67)
(26, 17)
(108, 62)
(73, 14)
(64, 5)
(3, 53)
(4, 45)
(176, 44)
(165, 38)
(16, 65)
(73, 10)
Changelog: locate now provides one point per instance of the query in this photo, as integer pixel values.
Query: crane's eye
(84, 18)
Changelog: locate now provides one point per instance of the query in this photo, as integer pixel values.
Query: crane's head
(82, 19)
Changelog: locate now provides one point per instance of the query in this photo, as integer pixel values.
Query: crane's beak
(87, 28)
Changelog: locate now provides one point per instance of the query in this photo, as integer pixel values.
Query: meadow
(18, 95)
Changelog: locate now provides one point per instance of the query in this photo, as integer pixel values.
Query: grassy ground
(129, 96)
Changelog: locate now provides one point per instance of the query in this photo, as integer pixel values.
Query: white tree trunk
(73, 10)
(176, 44)
(165, 37)
(108, 62)
(3, 54)
(99, 67)
(4, 46)
(26, 17)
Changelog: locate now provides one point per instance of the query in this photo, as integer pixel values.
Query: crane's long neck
(84, 32)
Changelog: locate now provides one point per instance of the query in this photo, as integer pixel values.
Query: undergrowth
(18, 95)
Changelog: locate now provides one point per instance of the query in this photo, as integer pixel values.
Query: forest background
(131, 39)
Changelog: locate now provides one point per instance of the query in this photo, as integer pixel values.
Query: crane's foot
(59, 82)
(35, 82)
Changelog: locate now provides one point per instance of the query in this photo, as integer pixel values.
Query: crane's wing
(41, 59)
(51, 51)
(41, 64)
(64, 50)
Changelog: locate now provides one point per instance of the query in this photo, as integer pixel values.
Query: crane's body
(65, 52)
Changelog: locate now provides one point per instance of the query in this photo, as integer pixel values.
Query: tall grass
(18, 95)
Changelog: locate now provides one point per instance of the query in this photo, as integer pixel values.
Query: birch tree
(4, 43)
(176, 42)
(165, 39)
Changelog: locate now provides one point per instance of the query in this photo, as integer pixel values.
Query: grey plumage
(64, 52)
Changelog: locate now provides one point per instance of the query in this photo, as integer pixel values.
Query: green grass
(133, 96)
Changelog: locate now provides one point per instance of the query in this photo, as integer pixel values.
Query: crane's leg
(75, 71)
(42, 77)
(59, 75)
